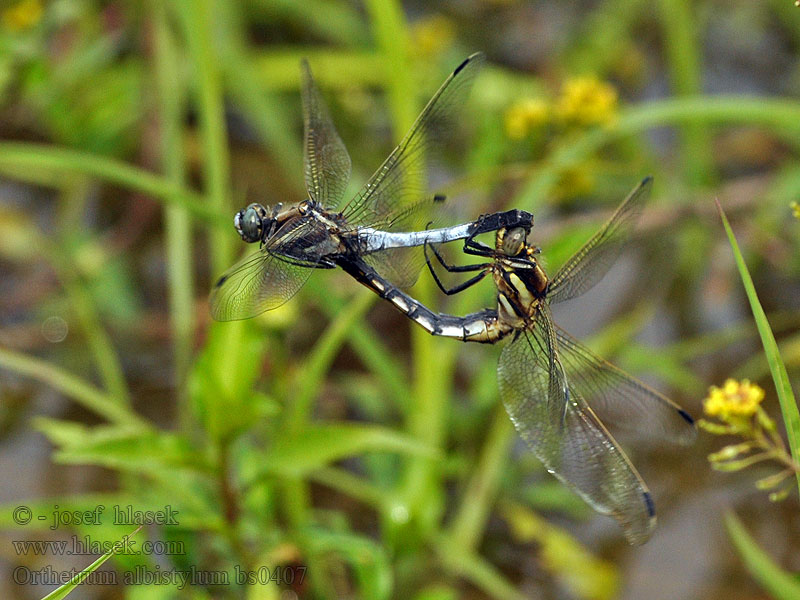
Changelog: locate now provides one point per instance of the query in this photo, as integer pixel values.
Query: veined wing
(399, 187)
(326, 161)
(619, 399)
(566, 435)
(590, 264)
(396, 197)
(267, 278)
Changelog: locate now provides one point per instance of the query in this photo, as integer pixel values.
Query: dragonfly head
(251, 222)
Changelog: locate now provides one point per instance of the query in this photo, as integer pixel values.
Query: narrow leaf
(791, 416)
(318, 445)
(780, 584)
(64, 590)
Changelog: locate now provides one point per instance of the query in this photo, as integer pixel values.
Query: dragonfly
(559, 394)
(372, 233)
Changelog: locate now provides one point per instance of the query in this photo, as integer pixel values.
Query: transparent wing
(590, 264)
(401, 266)
(566, 435)
(399, 187)
(269, 277)
(619, 399)
(396, 197)
(327, 163)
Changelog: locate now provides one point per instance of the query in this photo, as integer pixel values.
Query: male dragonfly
(377, 226)
(556, 391)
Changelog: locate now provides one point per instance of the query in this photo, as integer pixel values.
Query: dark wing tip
(471, 58)
(649, 504)
(686, 416)
(439, 197)
(460, 67)
(220, 281)
(647, 180)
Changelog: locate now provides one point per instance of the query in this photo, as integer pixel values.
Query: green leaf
(222, 381)
(65, 589)
(582, 573)
(371, 566)
(123, 448)
(77, 388)
(318, 445)
(780, 584)
(791, 416)
(437, 592)
(471, 566)
(30, 162)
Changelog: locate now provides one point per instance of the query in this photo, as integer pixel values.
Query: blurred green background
(330, 441)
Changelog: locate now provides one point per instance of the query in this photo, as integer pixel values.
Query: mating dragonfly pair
(557, 392)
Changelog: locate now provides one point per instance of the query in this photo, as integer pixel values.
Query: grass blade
(779, 584)
(76, 388)
(67, 588)
(26, 161)
(791, 416)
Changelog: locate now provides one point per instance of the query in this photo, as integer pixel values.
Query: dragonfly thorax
(521, 282)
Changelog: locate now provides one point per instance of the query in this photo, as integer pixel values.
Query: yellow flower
(733, 399)
(795, 209)
(587, 101)
(524, 115)
(431, 35)
(574, 182)
(23, 15)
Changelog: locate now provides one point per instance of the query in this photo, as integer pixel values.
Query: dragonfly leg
(460, 287)
(453, 269)
(477, 248)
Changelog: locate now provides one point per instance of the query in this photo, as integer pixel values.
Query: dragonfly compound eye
(249, 222)
(513, 241)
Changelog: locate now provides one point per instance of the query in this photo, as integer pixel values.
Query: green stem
(426, 414)
(105, 356)
(390, 31)
(26, 161)
(259, 102)
(198, 18)
(312, 372)
(473, 511)
(76, 388)
(777, 367)
(780, 115)
(683, 60)
(350, 485)
(177, 223)
(371, 350)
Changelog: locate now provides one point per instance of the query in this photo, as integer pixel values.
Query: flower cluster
(587, 101)
(432, 35)
(582, 102)
(737, 407)
(525, 115)
(734, 398)
(22, 16)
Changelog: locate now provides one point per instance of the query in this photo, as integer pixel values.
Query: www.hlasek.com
(86, 546)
